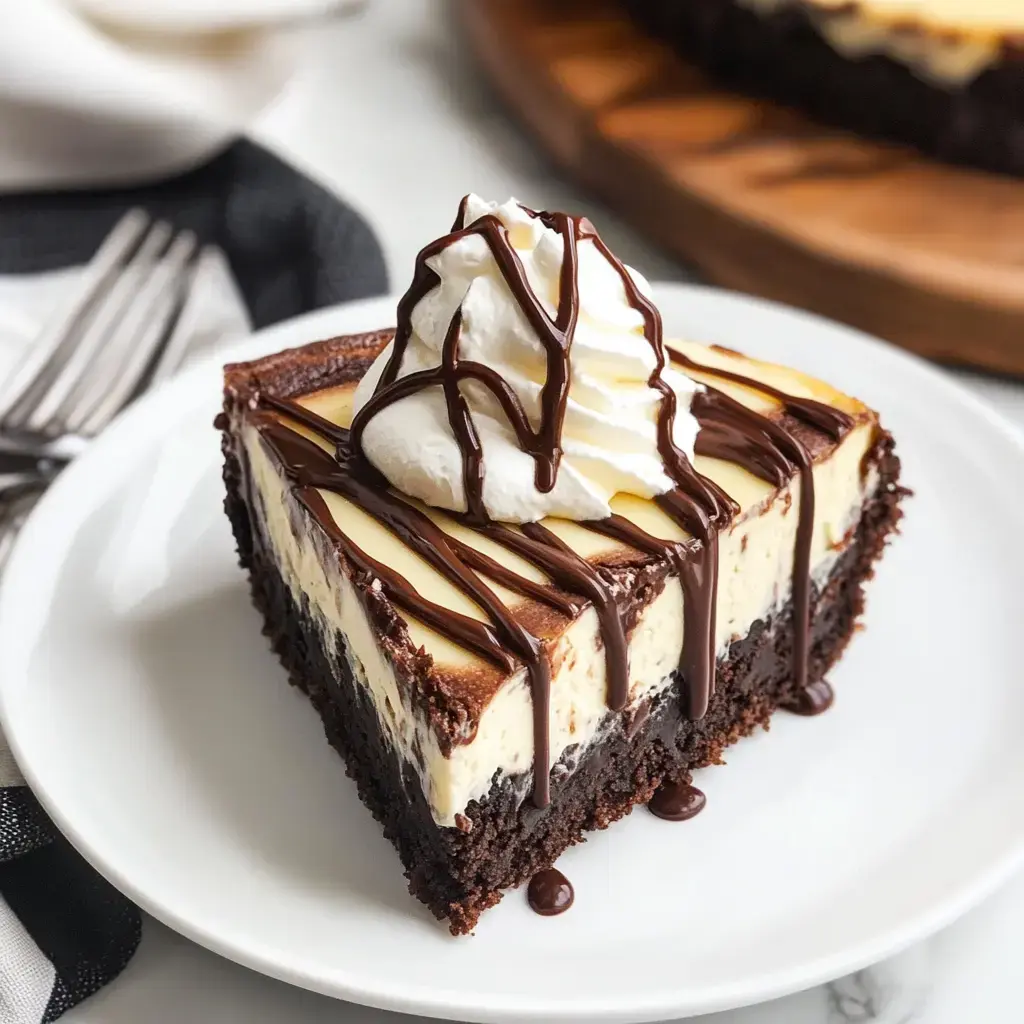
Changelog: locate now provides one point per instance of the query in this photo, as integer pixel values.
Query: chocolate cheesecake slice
(497, 687)
(944, 76)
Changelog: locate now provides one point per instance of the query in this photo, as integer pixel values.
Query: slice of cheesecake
(499, 687)
(946, 76)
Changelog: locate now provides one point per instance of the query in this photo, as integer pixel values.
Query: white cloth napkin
(103, 92)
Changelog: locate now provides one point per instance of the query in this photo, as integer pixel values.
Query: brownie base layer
(503, 841)
(782, 56)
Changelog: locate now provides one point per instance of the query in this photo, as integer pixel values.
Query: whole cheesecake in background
(533, 563)
(945, 76)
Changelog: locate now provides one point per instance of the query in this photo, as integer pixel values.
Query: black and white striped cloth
(292, 247)
(64, 930)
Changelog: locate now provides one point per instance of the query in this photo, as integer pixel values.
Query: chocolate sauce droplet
(812, 699)
(550, 892)
(677, 801)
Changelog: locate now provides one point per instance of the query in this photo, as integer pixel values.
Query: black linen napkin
(293, 247)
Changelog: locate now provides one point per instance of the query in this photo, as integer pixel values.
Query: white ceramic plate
(152, 721)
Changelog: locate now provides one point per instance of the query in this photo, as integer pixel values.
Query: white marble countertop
(392, 115)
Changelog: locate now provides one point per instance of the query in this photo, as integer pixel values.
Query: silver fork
(95, 356)
(122, 330)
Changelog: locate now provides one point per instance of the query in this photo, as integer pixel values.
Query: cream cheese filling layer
(946, 42)
(756, 565)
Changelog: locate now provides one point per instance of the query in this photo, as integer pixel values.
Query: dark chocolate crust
(784, 57)
(502, 841)
(298, 371)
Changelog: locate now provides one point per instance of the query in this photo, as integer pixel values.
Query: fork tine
(138, 340)
(42, 416)
(54, 342)
(189, 317)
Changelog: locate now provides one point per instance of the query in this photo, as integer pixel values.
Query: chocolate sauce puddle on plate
(677, 801)
(550, 893)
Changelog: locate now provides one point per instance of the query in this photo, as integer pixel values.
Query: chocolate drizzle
(544, 443)
(553, 556)
(311, 469)
(697, 504)
(832, 422)
(728, 430)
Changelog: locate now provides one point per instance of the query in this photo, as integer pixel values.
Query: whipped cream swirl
(609, 437)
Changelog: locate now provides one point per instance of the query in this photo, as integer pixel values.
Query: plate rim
(443, 1001)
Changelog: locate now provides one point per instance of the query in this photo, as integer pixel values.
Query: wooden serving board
(759, 198)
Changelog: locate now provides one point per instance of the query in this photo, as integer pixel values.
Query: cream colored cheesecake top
(946, 42)
(752, 494)
(983, 17)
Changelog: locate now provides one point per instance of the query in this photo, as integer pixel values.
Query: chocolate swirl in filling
(728, 430)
